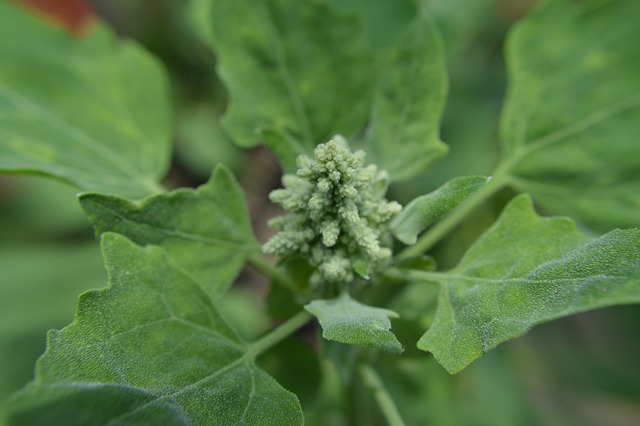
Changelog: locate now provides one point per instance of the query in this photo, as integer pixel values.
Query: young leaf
(403, 136)
(297, 71)
(91, 111)
(347, 321)
(426, 209)
(149, 349)
(524, 271)
(206, 232)
(573, 110)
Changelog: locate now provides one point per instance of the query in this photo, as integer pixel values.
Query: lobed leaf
(297, 72)
(347, 321)
(93, 111)
(149, 349)
(524, 271)
(38, 287)
(423, 211)
(206, 232)
(295, 81)
(572, 115)
(403, 133)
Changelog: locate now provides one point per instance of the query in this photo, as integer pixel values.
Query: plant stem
(274, 274)
(442, 228)
(281, 332)
(155, 187)
(381, 395)
(414, 275)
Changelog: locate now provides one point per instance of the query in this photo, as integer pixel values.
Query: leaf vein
(72, 132)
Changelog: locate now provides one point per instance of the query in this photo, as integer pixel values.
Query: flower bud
(338, 216)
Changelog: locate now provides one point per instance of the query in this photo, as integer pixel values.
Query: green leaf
(39, 284)
(297, 72)
(524, 271)
(91, 111)
(206, 232)
(403, 135)
(347, 321)
(149, 349)
(382, 21)
(426, 209)
(572, 115)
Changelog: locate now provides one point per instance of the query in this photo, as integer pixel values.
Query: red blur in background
(74, 15)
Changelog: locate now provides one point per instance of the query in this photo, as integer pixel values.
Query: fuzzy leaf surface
(149, 349)
(423, 211)
(206, 232)
(91, 111)
(572, 115)
(524, 271)
(348, 321)
(293, 79)
(404, 131)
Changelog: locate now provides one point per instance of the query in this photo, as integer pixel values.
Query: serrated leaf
(206, 232)
(348, 321)
(38, 287)
(524, 271)
(426, 209)
(91, 111)
(403, 135)
(573, 110)
(149, 349)
(39, 282)
(294, 80)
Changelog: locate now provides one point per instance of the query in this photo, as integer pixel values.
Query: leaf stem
(274, 274)
(442, 228)
(414, 275)
(155, 187)
(381, 395)
(281, 332)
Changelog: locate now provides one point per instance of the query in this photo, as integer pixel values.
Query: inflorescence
(338, 214)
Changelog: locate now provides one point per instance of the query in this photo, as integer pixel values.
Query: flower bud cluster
(338, 214)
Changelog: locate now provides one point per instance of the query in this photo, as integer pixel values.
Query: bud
(338, 215)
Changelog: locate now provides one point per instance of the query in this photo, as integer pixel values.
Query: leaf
(39, 283)
(347, 321)
(38, 287)
(524, 271)
(91, 111)
(206, 232)
(403, 135)
(427, 209)
(149, 349)
(570, 124)
(294, 79)
(382, 21)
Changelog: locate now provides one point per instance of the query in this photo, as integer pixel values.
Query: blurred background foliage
(581, 370)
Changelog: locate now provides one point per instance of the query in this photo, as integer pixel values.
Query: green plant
(164, 344)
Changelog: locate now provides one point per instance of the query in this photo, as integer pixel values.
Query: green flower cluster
(339, 215)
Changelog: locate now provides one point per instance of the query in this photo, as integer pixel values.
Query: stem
(442, 228)
(274, 274)
(414, 275)
(381, 395)
(284, 330)
(156, 188)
